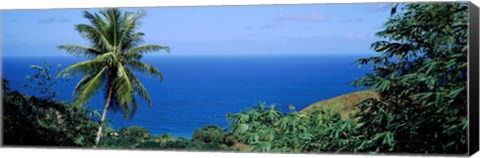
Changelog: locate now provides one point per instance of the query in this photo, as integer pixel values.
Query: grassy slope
(344, 103)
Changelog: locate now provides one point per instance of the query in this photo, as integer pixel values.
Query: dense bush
(40, 120)
(135, 132)
(28, 120)
(420, 72)
(312, 131)
(136, 137)
(210, 134)
(128, 138)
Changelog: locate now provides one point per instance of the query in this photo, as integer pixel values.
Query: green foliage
(128, 138)
(420, 72)
(136, 132)
(43, 81)
(136, 137)
(420, 76)
(210, 134)
(113, 56)
(29, 120)
(313, 131)
(165, 137)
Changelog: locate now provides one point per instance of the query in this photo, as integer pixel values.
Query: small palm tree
(113, 54)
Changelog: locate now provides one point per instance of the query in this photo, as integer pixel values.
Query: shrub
(29, 120)
(135, 132)
(210, 134)
(266, 129)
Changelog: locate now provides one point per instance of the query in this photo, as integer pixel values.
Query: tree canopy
(420, 72)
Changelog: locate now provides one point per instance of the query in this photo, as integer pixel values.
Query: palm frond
(82, 82)
(87, 66)
(97, 37)
(90, 88)
(132, 41)
(95, 20)
(131, 22)
(113, 19)
(78, 50)
(145, 68)
(140, 50)
(123, 86)
(80, 68)
(139, 88)
(130, 110)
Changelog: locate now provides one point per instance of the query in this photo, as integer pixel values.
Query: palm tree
(113, 53)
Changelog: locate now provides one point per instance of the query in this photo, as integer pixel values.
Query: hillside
(342, 104)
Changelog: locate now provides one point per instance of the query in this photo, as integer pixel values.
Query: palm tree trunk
(104, 114)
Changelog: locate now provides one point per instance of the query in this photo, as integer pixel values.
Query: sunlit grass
(343, 104)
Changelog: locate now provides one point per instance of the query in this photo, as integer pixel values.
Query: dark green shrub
(165, 137)
(32, 121)
(122, 142)
(210, 134)
(266, 129)
(151, 144)
(126, 138)
(177, 144)
(135, 132)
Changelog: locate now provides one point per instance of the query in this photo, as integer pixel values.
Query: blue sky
(215, 30)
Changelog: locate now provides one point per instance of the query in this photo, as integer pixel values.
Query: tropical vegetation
(43, 81)
(420, 76)
(416, 100)
(420, 73)
(115, 53)
(30, 120)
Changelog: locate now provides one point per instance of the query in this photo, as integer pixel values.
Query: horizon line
(190, 54)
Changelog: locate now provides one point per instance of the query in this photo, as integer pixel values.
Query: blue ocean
(201, 90)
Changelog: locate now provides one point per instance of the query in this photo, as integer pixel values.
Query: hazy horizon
(190, 54)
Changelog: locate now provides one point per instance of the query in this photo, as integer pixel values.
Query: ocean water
(201, 90)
